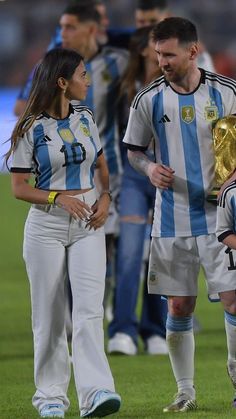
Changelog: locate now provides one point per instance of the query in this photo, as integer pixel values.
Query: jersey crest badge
(211, 112)
(187, 114)
(84, 129)
(89, 78)
(106, 76)
(66, 135)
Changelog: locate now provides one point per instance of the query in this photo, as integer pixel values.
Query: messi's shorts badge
(152, 277)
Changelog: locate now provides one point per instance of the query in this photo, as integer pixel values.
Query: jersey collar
(71, 111)
(201, 81)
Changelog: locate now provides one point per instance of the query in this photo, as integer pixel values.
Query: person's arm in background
(23, 95)
(5, 166)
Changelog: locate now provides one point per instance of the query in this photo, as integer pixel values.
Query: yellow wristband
(51, 197)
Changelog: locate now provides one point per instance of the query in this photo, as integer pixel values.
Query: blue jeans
(137, 197)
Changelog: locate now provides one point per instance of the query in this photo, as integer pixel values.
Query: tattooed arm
(160, 175)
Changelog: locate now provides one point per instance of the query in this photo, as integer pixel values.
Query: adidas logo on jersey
(46, 138)
(164, 119)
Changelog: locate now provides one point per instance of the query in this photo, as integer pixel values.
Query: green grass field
(144, 382)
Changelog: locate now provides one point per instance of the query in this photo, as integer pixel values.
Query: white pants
(57, 246)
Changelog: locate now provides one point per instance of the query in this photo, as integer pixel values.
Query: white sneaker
(52, 411)
(105, 403)
(122, 343)
(156, 345)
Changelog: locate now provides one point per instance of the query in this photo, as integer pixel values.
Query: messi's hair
(55, 64)
(175, 27)
(151, 4)
(85, 11)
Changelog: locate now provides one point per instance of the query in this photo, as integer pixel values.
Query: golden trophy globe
(224, 142)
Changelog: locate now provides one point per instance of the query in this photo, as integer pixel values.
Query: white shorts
(175, 262)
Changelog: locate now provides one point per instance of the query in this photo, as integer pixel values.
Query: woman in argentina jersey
(179, 110)
(80, 25)
(64, 235)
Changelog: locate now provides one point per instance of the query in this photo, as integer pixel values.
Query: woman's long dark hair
(136, 66)
(55, 64)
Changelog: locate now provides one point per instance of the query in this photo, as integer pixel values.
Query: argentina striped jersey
(105, 71)
(62, 153)
(182, 127)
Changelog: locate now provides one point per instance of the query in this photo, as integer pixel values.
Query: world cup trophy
(224, 142)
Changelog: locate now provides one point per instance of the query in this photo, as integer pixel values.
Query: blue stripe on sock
(230, 318)
(179, 324)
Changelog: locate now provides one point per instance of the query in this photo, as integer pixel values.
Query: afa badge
(152, 277)
(84, 129)
(187, 114)
(211, 112)
(89, 78)
(66, 135)
(106, 76)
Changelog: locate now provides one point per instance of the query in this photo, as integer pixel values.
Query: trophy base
(212, 196)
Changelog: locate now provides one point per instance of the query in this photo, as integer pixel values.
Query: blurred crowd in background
(26, 28)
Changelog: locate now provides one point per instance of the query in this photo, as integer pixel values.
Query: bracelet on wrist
(107, 193)
(52, 197)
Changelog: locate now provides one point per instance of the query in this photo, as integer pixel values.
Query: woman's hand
(100, 212)
(75, 207)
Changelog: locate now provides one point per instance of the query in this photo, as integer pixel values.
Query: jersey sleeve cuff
(223, 236)
(21, 170)
(100, 152)
(135, 147)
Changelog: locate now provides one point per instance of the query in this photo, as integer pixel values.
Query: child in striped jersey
(226, 219)
(226, 233)
(64, 236)
(178, 110)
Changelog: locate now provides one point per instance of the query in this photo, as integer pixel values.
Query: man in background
(150, 12)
